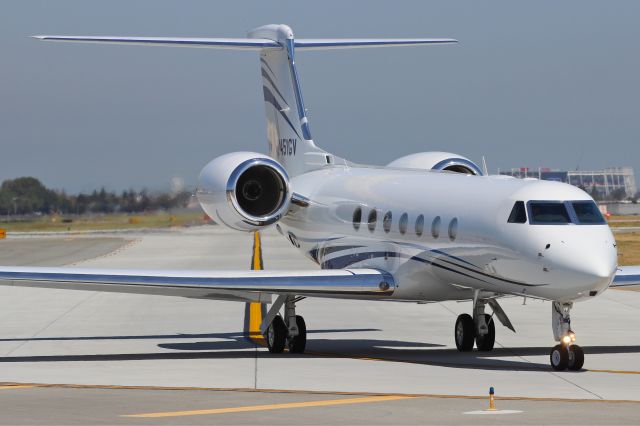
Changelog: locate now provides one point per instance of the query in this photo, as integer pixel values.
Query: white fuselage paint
(487, 253)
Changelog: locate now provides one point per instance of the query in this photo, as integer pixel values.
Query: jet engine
(244, 190)
(437, 161)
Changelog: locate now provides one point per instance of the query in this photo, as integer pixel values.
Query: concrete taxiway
(356, 349)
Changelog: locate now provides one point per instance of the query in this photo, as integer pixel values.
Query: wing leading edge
(626, 276)
(230, 285)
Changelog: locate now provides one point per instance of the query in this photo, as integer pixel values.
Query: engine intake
(244, 190)
(258, 188)
(445, 161)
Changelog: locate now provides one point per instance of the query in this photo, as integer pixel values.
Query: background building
(611, 183)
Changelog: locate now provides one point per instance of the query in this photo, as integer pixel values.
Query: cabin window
(548, 213)
(404, 220)
(357, 218)
(587, 213)
(386, 222)
(518, 213)
(435, 227)
(373, 218)
(453, 229)
(420, 225)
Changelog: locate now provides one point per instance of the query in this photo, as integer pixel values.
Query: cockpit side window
(587, 213)
(548, 213)
(518, 213)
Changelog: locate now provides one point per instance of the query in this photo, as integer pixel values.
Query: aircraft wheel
(276, 335)
(299, 342)
(485, 343)
(559, 358)
(465, 333)
(576, 358)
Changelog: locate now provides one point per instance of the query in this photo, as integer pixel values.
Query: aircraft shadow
(238, 347)
(236, 335)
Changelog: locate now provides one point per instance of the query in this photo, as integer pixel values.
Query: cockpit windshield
(587, 213)
(583, 212)
(548, 212)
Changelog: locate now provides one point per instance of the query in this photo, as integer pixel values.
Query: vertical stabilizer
(288, 131)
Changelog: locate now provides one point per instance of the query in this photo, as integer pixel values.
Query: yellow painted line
(614, 371)
(312, 392)
(255, 308)
(255, 319)
(17, 387)
(256, 260)
(322, 403)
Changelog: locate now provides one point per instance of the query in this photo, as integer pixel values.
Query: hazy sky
(552, 84)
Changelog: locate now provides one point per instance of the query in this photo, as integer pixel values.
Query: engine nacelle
(437, 161)
(244, 190)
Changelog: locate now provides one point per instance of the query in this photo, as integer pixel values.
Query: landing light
(566, 339)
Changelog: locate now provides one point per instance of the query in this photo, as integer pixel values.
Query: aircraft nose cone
(600, 267)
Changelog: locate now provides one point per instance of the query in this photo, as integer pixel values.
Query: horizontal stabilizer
(211, 43)
(249, 43)
(356, 43)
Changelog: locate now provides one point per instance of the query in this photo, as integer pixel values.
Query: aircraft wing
(626, 276)
(224, 285)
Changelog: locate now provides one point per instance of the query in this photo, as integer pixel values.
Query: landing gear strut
(479, 328)
(566, 355)
(288, 331)
(467, 331)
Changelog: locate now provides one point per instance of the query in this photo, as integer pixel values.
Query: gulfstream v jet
(428, 227)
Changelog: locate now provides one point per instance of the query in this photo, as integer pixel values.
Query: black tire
(576, 358)
(485, 343)
(464, 333)
(297, 344)
(559, 358)
(276, 335)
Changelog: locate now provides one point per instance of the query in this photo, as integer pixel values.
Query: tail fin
(288, 131)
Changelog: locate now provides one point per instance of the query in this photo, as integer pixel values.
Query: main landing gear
(566, 355)
(479, 329)
(288, 331)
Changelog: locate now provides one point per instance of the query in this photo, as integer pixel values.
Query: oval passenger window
(435, 227)
(404, 219)
(453, 229)
(357, 218)
(420, 225)
(386, 222)
(373, 218)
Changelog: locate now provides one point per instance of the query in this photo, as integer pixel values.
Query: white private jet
(428, 227)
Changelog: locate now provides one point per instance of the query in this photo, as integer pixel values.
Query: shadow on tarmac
(172, 336)
(238, 346)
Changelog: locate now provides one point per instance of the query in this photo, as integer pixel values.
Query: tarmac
(75, 357)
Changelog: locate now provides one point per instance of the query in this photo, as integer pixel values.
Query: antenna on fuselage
(484, 166)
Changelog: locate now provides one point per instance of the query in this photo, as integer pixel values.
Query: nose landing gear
(566, 355)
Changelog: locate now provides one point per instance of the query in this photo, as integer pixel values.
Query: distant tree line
(27, 195)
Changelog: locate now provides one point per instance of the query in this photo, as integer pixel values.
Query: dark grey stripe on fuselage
(344, 261)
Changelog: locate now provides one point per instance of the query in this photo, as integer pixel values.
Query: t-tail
(288, 130)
